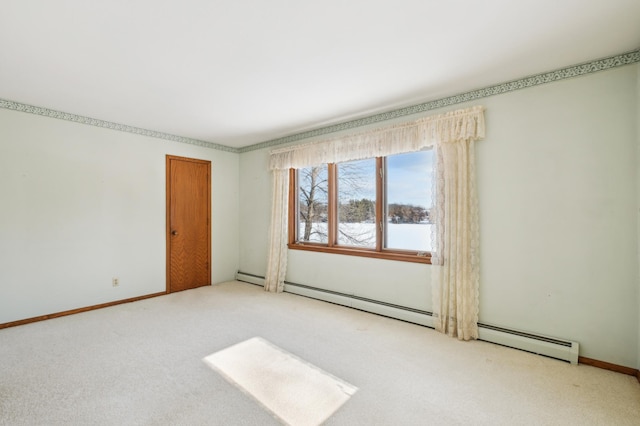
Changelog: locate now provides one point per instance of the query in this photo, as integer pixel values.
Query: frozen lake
(408, 236)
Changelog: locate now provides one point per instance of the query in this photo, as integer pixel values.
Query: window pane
(408, 201)
(357, 203)
(312, 204)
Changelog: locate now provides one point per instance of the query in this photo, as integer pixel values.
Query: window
(408, 201)
(356, 187)
(378, 207)
(313, 191)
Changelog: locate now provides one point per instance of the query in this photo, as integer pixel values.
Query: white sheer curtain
(277, 263)
(406, 137)
(455, 269)
(455, 275)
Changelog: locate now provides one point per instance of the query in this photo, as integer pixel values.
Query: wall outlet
(115, 282)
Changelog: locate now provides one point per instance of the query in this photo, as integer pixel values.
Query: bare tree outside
(313, 204)
(356, 203)
(406, 211)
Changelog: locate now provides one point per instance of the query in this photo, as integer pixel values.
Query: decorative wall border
(46, 112)
(535, 80)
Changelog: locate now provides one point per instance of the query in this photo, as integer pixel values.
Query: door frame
(168, 159)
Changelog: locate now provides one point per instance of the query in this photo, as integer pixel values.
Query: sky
(409, 178)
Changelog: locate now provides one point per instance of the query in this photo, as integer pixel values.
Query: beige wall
(558, 192)
(557, 183)
(81, 205)
(558, 186)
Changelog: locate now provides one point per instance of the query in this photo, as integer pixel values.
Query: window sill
(400, 256)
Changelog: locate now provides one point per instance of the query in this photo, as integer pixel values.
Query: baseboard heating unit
(542, 345)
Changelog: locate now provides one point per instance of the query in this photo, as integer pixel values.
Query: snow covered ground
(412, 236)
(408, 236)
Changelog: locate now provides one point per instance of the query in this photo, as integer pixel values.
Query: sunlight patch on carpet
(295, 391)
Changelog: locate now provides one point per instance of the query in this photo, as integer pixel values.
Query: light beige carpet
(295, 391)
(142, 364)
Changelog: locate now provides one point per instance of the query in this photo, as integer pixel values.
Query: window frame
(379, 252)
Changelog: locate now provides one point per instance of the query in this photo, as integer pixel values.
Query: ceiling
(240, 72)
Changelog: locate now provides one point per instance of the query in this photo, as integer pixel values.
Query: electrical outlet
(115, 282)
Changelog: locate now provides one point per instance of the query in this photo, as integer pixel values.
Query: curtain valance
(464, 124)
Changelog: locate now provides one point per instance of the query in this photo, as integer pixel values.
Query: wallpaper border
(523, 83)
(46, 112)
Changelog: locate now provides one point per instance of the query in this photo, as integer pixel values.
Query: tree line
(407, 213)
(364, 210)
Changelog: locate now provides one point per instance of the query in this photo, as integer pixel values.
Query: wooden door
(188, 223)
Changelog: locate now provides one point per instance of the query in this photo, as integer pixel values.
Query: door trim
(168, 160)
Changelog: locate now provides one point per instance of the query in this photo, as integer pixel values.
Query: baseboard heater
(542, 345)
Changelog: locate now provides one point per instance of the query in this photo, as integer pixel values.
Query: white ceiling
(240, 72)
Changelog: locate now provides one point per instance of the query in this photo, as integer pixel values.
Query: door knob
(174, 232)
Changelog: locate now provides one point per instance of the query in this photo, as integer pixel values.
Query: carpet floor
(143, 363)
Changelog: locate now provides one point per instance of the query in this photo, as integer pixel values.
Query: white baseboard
(542, 345)
(249, 278)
